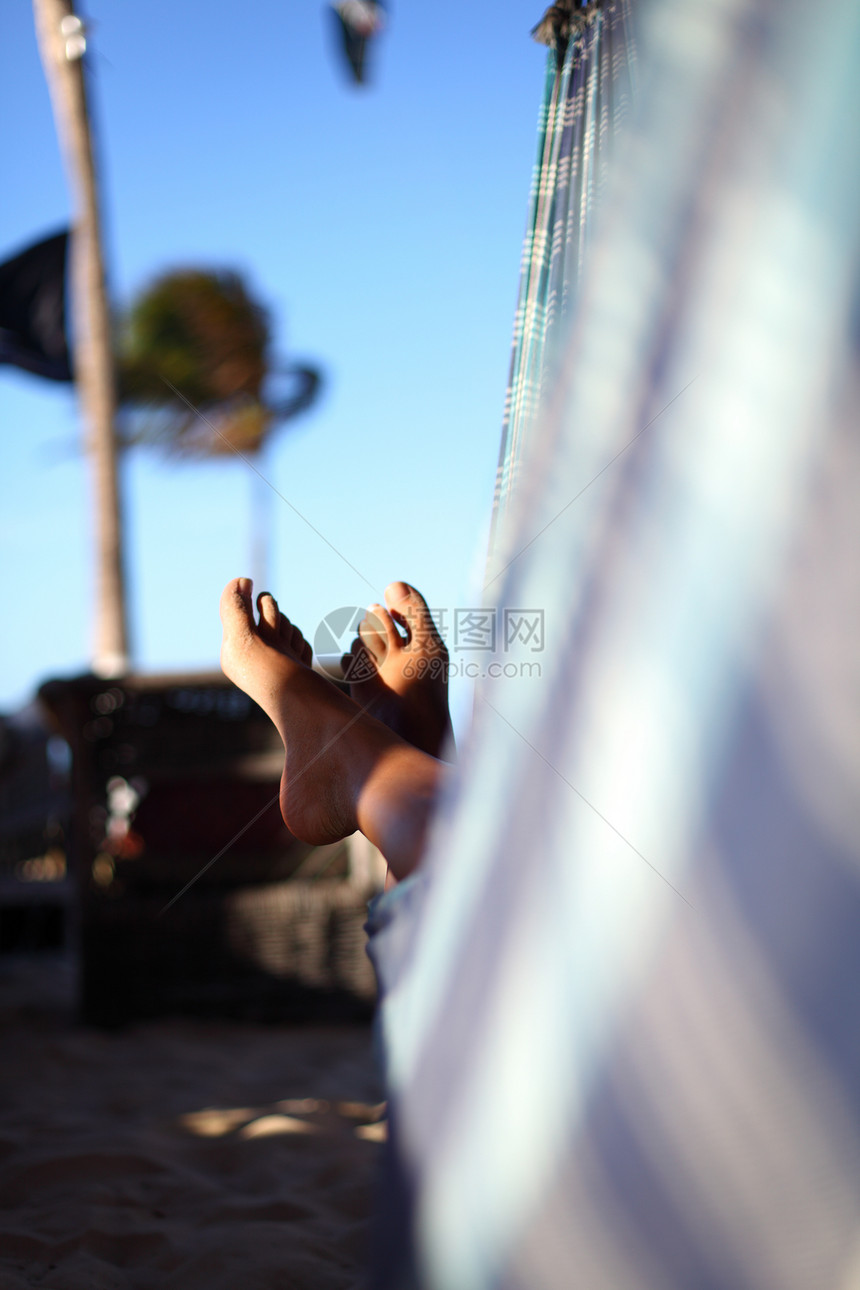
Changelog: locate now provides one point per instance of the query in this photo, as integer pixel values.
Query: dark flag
(33, 309)
(358, 21)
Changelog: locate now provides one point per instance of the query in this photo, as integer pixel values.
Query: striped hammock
(621, 993)
(590, 76)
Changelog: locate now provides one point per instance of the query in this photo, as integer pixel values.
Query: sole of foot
(329, 743)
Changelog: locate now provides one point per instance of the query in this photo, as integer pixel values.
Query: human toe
(401, 594)
(409, 608)
(237, 615)
(240, 634)
(282, 633)
(378, 633)
(297, 640)
(269, 615)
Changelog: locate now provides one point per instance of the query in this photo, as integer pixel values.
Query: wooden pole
(62, 43)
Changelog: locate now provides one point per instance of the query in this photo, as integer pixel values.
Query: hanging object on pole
(74, 34)
(358, 23)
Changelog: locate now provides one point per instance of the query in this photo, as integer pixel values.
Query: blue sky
(381, 225)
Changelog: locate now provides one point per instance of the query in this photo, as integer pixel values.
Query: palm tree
(197, 379)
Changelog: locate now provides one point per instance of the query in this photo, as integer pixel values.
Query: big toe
(409, 608)
(399, 595)
(237, 614)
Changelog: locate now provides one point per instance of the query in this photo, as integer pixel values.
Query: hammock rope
(588, 89)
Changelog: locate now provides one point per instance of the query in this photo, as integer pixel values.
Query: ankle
(396, 801)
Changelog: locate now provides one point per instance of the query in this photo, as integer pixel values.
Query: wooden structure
(175, 784)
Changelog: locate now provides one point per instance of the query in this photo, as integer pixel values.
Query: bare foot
(402, 678)
(343, 770)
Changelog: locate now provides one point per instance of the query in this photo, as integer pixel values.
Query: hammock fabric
(621, 1004)
(590, 76)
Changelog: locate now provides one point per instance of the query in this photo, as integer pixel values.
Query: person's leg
(402, 679)
(343, 770)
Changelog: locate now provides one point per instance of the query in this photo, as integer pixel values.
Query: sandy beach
(180, 1153)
